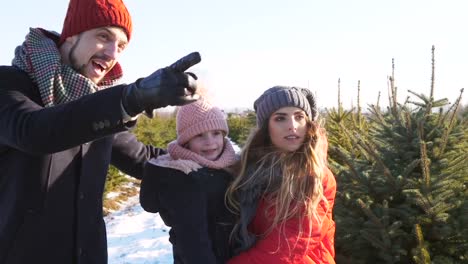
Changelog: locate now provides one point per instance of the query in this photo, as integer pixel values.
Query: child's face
(287, 128)
(208, 144)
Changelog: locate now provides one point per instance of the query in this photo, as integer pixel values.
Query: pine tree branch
(420, 253)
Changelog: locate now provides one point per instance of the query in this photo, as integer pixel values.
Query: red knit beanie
(83, 15)
(198, 117)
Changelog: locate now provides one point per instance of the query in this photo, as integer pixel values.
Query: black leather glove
(167, 86)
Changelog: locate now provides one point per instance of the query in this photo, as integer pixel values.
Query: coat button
(95, 126)
(79, 251)
(81, 195)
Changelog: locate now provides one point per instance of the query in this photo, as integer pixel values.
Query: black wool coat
(53, 166)
(193, 206)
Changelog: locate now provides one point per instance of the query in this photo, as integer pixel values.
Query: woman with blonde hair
(284, 191)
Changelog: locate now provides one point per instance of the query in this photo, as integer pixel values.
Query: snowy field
(137, 237)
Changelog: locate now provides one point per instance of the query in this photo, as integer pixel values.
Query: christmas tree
(402, 177)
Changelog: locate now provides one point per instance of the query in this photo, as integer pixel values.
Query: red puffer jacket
(284, 246)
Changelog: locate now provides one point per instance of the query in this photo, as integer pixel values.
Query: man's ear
(66, 47)
(71, 40)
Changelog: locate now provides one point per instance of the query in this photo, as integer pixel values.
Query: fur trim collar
(166, 161)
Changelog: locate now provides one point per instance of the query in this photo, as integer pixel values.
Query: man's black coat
(53, 166)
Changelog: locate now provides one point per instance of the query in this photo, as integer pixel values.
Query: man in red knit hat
(63, 119)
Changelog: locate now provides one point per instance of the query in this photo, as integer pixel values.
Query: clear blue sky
(248, 46)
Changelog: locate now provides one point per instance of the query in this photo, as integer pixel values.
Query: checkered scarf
(58, 83)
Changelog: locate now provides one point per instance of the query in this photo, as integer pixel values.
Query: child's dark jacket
(192, 204)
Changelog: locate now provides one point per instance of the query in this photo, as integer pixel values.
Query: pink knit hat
(198, 117)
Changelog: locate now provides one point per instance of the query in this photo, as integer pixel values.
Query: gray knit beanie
(282, 96)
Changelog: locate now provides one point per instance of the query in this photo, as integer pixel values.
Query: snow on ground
(137, 237)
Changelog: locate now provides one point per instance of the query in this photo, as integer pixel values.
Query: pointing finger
(186, 62)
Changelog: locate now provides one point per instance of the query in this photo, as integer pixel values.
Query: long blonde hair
(292, 181)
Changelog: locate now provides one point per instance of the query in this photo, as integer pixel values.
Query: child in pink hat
(187, 185)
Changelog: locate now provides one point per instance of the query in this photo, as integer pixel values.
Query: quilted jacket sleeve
(328, 240)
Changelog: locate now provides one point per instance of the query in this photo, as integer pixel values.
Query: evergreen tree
(402, 175)
(157, 131)
(240, 126)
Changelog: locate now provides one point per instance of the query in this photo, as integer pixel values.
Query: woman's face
(208, 144)
(287, 128)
